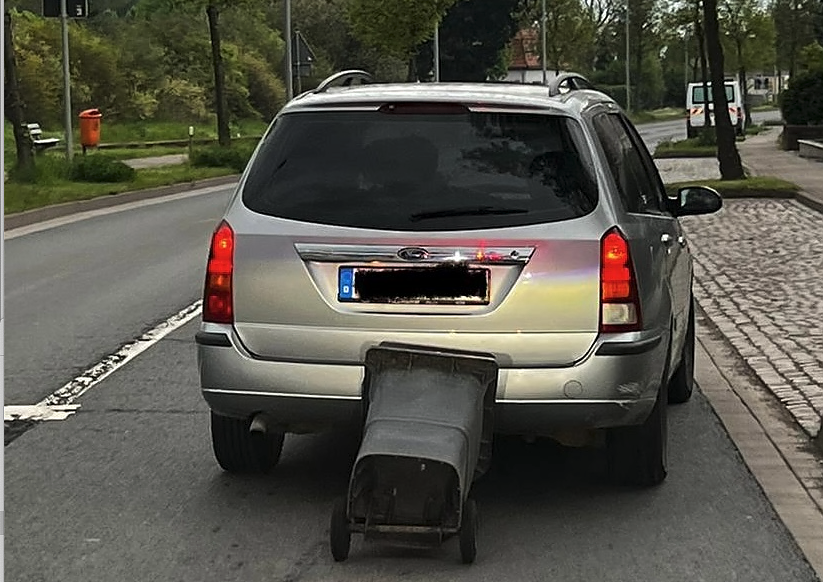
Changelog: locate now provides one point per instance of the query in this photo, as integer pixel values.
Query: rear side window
(427, 169)
(637, 186)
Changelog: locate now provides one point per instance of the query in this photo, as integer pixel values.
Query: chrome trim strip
(279, 394)
(341, 253)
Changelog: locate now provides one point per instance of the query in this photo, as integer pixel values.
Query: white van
(696, 101)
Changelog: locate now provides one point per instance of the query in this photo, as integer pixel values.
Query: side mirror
(693, 200)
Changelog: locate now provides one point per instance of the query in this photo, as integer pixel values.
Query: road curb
(773, 447)
(29, 217)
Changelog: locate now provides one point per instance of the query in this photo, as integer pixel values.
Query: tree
(731, 168)
(793, 30)
(212, 9)
(221, 103)
(750, 31)
(14, 104)
(397, 26)
(473, 34)
(570, 33)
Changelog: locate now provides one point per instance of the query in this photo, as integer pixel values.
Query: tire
(638, 455)
(339, 532)
(681, 384)
(237, 450)
(468, 532)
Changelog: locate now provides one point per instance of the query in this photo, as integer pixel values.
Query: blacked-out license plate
(438, 285)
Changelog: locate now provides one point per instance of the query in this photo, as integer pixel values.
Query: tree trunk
(731, 167)
(14, 105)
(698, 28)
(411, 77)
(743, 84)
(221, 106)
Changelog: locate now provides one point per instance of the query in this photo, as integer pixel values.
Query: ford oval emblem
(413, 254)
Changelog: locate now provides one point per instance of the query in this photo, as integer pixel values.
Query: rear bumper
(615, 385)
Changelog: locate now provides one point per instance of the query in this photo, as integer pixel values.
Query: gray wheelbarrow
(427, 436)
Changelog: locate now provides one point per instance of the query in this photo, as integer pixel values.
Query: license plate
(436, 285)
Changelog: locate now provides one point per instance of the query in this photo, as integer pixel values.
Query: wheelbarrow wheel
(339, 533)
(468, 532)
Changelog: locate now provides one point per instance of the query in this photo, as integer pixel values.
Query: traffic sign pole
(288, 38)
(64, 18)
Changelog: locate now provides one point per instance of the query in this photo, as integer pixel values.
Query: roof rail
(344, 79)
(566, 82)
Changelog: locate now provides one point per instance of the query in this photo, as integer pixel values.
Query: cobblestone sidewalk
(759, 278)
(758, 274)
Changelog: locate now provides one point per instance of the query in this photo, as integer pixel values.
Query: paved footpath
(759, 273)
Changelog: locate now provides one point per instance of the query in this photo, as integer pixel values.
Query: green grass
(143, 131)
(696, 147)
(766, 107)
(765, 186)
(687, 148)
(755, 129)
(137, 132)
(665, 114)
(20, 196)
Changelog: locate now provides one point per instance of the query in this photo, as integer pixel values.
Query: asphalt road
(127, 488)
(74, 294)
(654, 133)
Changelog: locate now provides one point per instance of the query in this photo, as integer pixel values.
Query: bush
(235, 157)
(802, 102)
(99, 168)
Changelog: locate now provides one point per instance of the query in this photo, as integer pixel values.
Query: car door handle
(681, 240)
(666, 239)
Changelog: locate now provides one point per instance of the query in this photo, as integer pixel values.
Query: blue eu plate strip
(345, 287)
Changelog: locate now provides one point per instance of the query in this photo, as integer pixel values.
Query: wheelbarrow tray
(427, 436)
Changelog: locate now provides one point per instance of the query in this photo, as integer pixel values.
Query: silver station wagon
(525, 222)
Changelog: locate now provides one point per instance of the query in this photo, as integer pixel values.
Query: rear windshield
(697, 94)
(422, 171)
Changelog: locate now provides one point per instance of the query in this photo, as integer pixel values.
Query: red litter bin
(90, 128)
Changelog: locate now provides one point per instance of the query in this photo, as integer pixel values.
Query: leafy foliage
(802, 101)
(235, 157)
(396, 26)
(100, 168)
(474, 34)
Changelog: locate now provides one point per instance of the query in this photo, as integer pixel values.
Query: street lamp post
(543, 43)
(437, 53)
(64, 18)
(628, 72)
(287, 38)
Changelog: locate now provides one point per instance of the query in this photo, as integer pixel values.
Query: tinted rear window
(422, 171)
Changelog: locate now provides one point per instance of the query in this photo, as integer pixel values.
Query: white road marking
(59, 404)
(62, 221)
(38, 412)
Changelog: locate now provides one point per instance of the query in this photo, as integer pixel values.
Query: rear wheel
(238, 450)
(638, 455)
(681, 384)
(468, 532)
(339, 532)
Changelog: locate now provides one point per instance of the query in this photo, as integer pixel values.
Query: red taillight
(217, 296)
(619, 300)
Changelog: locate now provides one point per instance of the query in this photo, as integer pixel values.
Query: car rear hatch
(419, 223)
